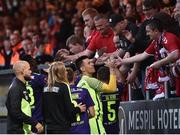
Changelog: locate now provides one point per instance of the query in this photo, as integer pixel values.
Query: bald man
(19, 120)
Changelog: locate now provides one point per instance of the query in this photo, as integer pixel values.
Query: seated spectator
(42, 57)
(16, 43)
(28, 48)
(8, 57)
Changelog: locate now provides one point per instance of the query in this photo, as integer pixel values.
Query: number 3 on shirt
(77, 115)
(111, 112)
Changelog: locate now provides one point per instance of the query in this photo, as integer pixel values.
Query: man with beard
(19, 120)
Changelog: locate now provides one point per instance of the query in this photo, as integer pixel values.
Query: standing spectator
(86, 33)
(141, 40)
(120, 26)
(131, 12)
(74, 45)
(58, 110)
(177, 11)
(115, 7)
(7, 56)
(78, 31)
(80, 95)
(165, 48)
(88, 15)
(169, 23)
(102, 40)
(19, 120)
(94, 86)
(16, 43)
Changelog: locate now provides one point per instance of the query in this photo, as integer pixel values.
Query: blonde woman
(58, 109)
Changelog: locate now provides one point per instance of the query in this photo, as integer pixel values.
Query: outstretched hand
(61, 54)
(118, 61)
(110, 63)
(155, 65)
(101, 60)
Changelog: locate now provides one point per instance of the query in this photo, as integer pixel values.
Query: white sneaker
(158, 96)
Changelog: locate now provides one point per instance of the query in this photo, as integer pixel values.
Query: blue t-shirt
(37, 83)
(81, 95)
(110, 103)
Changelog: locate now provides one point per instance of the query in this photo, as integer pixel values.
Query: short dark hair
(79, 62)
(151, 4)
(103, 74)
(31, 61)
(100, 16)
(155, 24)
(169, 24)
(73, 39)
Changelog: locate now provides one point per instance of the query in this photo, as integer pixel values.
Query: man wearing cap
(121, 26)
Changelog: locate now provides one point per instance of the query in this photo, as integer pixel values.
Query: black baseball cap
(114, 19)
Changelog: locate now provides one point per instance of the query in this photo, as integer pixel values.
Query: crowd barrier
(6, 77)
(150, 117)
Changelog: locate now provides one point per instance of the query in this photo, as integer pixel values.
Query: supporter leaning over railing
(102, 40)
(140, 40)
(164, 46)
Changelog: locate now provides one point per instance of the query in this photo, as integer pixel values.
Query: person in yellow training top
(19, 120)
(94, 86)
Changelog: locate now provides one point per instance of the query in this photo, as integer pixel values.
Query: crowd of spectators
(67, 29)
(95, 50)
